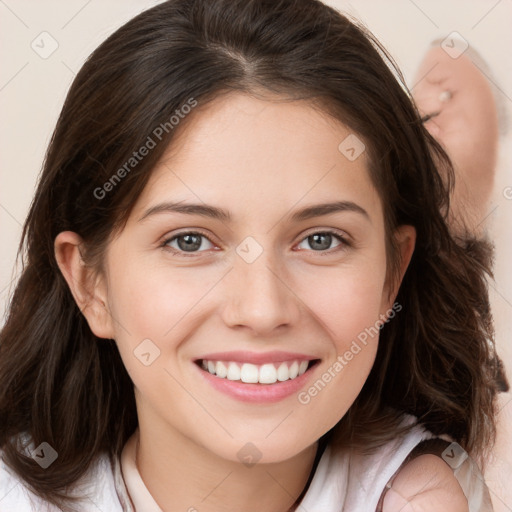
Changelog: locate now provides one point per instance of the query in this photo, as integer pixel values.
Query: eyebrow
(214, 212)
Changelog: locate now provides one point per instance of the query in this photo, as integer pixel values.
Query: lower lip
(257, 393)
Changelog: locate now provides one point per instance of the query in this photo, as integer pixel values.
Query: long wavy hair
(61, 384)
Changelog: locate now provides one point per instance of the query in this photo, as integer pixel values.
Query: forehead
(247, 152)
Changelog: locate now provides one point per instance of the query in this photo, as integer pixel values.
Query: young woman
(240, 291)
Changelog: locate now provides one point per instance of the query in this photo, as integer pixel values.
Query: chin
(249, 452)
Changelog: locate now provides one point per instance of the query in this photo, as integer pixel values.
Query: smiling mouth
(249, 373)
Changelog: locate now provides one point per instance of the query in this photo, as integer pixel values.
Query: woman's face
(250, 281)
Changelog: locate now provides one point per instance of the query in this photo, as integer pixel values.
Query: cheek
(149, 305)
(149, 300)
(347, 301)
(348, 306)
(157, 303)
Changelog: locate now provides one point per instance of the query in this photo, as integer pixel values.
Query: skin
(466, 126)
(425, 484)
(262, 160)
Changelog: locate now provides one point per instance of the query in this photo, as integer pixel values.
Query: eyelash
(336, 234)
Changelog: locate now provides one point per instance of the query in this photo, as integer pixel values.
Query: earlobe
(87, 288)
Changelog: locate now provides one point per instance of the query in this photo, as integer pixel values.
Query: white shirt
(341, 482)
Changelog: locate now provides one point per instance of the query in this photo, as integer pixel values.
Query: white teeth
(233, 371)
(282, 372)
(268, 373)
(221, 370)
(249, 373)
(294, 370)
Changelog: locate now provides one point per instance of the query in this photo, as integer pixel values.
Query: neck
(182, 476)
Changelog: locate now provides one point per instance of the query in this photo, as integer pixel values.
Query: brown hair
(62, 385)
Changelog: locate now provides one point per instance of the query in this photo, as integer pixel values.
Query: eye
(322, 240)
(189, 242)
(195, 242)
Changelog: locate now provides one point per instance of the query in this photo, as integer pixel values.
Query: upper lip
(256, 357)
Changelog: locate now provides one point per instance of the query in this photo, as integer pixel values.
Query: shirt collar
(136, 490)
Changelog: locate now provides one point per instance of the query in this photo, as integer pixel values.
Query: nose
(259, 298)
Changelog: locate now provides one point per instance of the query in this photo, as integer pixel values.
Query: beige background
(32, 91)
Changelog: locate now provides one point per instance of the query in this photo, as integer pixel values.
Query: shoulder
(425, 483)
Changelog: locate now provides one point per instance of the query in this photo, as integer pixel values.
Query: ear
(405, 239)
(87, 286)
